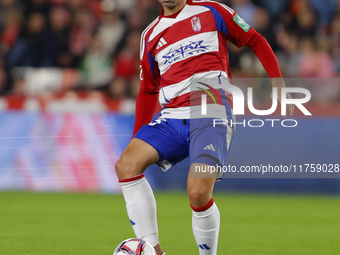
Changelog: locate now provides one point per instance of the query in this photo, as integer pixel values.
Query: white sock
(206, 228)
(141, 208)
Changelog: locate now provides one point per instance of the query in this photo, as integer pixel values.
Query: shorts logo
(242, 23)
(196, 24)
(210, 147)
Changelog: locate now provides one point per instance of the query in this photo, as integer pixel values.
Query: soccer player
(182, 49)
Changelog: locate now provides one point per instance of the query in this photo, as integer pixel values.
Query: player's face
(171, 4)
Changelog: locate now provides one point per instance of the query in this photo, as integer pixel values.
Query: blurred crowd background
(76, 49)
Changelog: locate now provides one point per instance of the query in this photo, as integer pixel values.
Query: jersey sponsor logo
(196, 24)
(242, 23)
(192, 48)
(187, 48)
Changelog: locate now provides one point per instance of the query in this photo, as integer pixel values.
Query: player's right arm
(147, 98)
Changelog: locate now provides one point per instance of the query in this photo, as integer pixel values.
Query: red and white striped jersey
(190, 44)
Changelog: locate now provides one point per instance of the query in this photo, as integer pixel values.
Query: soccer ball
(134, 246)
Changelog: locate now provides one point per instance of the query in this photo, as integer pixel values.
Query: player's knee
(124, 169)
(198, 197)
(119, 166)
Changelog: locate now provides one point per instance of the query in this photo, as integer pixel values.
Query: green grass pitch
(93, 224)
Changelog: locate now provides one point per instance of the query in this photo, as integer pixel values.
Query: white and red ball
(134, 246)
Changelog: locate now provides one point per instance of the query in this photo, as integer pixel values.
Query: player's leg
(138, 195)
(205, 214)
(209, 147)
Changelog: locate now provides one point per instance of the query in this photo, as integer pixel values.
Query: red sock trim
(133, 178)
(204, 207)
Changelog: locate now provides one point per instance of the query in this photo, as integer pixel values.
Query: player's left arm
(240, 33)
(259, 45)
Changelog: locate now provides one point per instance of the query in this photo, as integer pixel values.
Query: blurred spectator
(263, 25)
(335, 42)
(318, 64)
(11, 29)
(3, 82)
(290, 58)
(96, 66)
(118, 88)
(246, 9)
(325, 10)
(57, 36)
(118, 99)
(7, 6)
(8, 3)
(315, 63)
(306, 23)
(275, 8)
(33, 6)
(143, 13)
(78, 4)
(296, 6)
(261, 21)
(127, 61)
(30, 48)
(81, 33)
(125, 5)
(111, 31)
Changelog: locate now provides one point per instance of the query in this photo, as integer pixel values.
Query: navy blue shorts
(176, 139)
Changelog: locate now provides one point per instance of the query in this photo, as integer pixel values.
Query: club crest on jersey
(196, 24)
